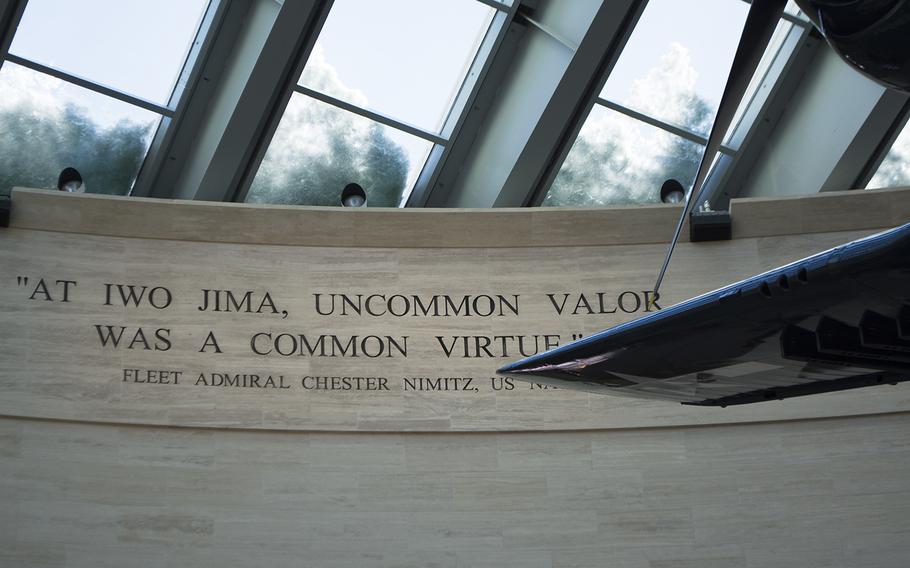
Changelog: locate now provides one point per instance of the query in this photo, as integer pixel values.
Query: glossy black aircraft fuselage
(835, 320)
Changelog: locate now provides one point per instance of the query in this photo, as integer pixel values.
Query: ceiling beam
(10, 14)
(539, 90)
(570, 104)
(262, 100)
(191, 98)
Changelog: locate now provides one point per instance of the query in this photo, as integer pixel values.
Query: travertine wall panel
(831, 492)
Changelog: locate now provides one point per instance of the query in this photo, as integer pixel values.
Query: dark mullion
(261, 105)
(666, 126)
(91, 85)
(497, 5)
(10, 14)
(372, 115)
(790, 18)
(464, 104)
(608, 59)
(182, 93)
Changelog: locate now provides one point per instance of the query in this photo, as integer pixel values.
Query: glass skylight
(676, 62)
(402, 58)
(135, 46)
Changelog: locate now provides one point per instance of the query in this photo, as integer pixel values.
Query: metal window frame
(186, 86)
(90, 85)
(674, 129)
(375, 116)
(464, 107)
(10, 14)
(764, 109)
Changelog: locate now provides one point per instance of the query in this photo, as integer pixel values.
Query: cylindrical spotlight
(672, 192)
(353, 196)
(70, 181)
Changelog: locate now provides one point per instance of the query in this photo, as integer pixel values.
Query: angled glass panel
(48, 125)
(894, 170)
(135, 46)
(620, 160)
(405, 59)
(318, 149)
(676, 62)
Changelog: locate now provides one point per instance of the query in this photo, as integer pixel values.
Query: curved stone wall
(210, 315)
(819, 493)
(162, 450)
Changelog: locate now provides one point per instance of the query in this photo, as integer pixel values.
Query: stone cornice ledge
(440, 228)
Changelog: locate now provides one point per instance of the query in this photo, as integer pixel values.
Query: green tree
(599, 169)
(682, 157)
(317, 150)
(36, 145)
(617, 159)
(592, 164)
(894, 170)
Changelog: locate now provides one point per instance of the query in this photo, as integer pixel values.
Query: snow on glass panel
(48, 125)
(405, 59)
(676, 62)
(894, 170)
(137, 47)
(619, 160)
(318, 149)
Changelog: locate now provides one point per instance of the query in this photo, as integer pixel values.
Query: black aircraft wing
(833, 321)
